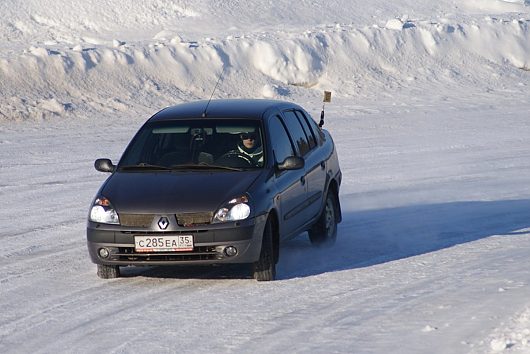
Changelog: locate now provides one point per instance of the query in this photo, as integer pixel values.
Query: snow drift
(57, 65)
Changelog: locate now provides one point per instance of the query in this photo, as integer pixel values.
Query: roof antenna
(217, 84)
(327, 98)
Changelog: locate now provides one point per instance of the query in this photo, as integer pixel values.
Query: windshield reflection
(233, 144)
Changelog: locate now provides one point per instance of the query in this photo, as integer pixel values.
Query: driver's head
(248, 140)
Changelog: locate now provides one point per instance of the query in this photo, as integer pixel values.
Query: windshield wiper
(203, 166)
(145, 166)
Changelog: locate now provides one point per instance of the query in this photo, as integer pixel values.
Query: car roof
(223, 108)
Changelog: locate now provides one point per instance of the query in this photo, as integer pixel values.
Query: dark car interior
(183, 145)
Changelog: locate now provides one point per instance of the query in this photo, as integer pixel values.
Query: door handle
(302, 180)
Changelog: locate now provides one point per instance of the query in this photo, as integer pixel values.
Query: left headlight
(103, 212)
(236, 209)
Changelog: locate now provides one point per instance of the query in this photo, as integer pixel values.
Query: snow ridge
(402, 54)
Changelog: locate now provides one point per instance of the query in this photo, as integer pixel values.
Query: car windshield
(224, 144)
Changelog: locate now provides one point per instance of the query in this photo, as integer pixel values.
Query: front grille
(136, 220)
(201, 253)
(183, 219)
(189, 219)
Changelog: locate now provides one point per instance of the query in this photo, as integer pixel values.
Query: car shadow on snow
(372, 237)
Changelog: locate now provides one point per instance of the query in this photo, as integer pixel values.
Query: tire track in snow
(106, 304)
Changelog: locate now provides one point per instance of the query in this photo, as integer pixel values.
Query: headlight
(103, 212)
(236, 209)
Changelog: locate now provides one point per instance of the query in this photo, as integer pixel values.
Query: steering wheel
(235, 159)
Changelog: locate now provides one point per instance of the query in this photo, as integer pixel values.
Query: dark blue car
(218, 182)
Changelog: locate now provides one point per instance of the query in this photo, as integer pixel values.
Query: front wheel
(108, 271)
(264, 269)
(324, 232)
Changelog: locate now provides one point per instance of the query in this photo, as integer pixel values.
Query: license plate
(163, 243)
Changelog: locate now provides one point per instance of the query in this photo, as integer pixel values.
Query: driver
(249, 147)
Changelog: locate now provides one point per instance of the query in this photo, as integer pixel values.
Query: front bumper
(210, 242)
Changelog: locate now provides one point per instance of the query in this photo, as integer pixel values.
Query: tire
(108, 271)
(264, 269)
(324, 232)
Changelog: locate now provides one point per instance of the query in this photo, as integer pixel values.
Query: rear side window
(281, 143)
(297, 132)
(308, 132)
(317, 132)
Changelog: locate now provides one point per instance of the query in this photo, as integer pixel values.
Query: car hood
(172, 192)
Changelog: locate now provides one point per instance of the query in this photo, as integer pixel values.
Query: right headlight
(236, 209)
(103, 212)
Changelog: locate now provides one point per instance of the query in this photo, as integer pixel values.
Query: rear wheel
(264, 269)
(324, 232)
(108, 271)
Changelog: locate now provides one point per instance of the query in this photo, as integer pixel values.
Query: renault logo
(163, 223)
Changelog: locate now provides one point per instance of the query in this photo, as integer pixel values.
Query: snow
(430, 118)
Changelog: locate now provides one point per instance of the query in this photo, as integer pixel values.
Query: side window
(281, 144)
(308, 132)
(319, 135)
(297, 132)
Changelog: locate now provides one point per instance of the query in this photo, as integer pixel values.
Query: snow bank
(347, 59)
(81, 65)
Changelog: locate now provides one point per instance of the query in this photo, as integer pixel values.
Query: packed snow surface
(430, 119)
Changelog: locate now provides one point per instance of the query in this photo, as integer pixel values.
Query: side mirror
(292, 163)
(104, 165)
